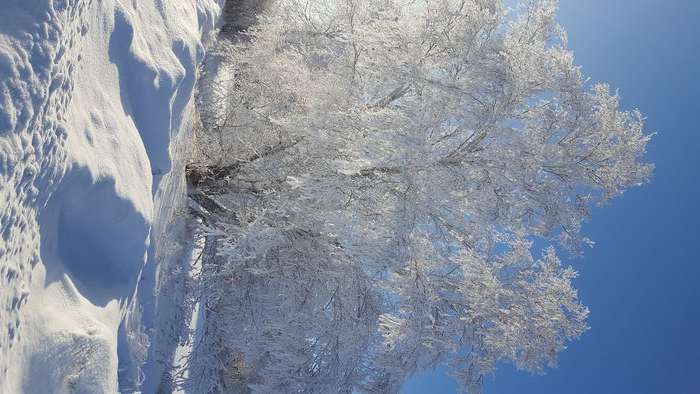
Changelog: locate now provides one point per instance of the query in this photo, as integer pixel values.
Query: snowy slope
(95, 101)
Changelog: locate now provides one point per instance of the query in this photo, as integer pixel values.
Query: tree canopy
(378, 172)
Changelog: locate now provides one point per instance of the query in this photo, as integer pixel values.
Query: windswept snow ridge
(95, 102)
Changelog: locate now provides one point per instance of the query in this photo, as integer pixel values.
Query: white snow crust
(96, 100)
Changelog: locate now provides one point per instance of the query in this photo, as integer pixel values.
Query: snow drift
(95, 99)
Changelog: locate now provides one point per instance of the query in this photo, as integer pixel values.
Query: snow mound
(95, 98)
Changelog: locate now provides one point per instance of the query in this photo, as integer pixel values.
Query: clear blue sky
(642, 280)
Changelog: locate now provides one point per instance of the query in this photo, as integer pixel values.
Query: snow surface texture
(95, 101)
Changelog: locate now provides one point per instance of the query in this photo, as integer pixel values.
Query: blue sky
(642, 279)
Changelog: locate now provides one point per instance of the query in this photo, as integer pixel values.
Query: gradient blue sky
(642, 279)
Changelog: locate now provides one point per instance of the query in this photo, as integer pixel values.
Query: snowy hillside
(95, 98)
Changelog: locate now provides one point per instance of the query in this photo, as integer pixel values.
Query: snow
(96, 98)
(185, 347)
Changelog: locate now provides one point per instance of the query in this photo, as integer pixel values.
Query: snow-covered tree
(382, 171)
